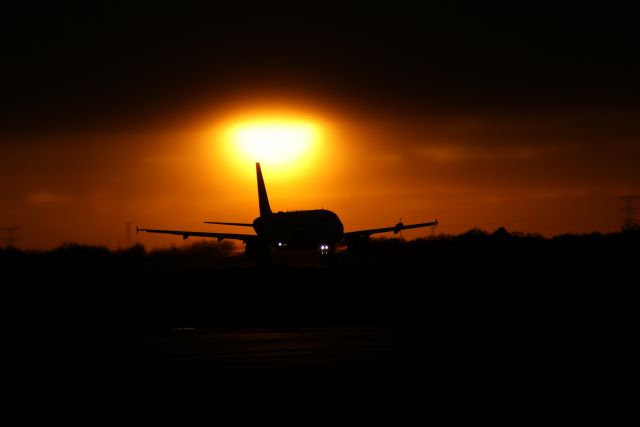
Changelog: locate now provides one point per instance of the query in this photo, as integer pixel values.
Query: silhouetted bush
(500, 249)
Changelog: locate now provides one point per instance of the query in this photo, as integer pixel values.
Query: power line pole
(10, 235)
(629, 221)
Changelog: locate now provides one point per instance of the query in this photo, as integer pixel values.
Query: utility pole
(629, 222)
(10, 235)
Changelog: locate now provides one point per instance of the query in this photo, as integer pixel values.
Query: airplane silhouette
(318, 229)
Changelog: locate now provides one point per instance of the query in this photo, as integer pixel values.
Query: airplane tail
(263, 200)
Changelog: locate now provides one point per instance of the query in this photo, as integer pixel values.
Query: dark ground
(478, 327)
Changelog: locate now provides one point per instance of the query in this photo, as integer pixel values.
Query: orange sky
(532, 173)
(523, 117)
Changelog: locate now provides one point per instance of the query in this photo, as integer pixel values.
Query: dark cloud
(117, 68)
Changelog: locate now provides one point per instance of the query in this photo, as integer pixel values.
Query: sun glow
(290, 141)
(274, 142)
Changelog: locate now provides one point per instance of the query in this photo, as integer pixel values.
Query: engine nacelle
(399, 227)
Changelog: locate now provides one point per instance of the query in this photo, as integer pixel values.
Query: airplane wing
(239, 224)
(396, 229)
(186, 234)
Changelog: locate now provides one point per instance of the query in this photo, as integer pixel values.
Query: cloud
(163, 160)
(452, 153)
(47, 198)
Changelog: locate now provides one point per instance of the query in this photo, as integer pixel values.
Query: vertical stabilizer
(263, 200)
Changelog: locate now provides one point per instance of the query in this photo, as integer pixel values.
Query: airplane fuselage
(312, 229)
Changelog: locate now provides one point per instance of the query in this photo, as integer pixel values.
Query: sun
(289, 142)
(274, 142)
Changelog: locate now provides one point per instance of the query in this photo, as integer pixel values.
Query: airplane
(318, 229)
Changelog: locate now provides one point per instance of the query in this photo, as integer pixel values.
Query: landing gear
(257, 251)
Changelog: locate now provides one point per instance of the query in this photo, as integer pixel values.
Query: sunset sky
(523, 118)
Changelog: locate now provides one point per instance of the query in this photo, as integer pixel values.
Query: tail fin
(263, 200)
